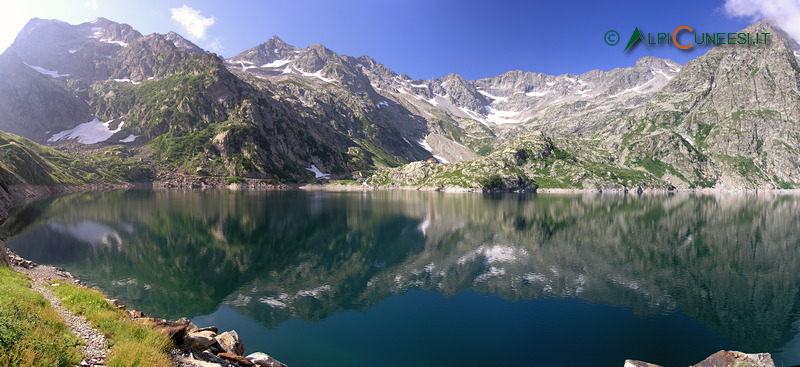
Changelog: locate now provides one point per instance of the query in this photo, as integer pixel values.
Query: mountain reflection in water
(730, 262)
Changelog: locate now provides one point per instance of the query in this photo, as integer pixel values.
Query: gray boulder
(200, 340)
(264, 360)
(229, 342)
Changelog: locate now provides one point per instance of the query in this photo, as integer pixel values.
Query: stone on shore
(17, 260)
(210, 328)
(737, 359)
(229, 342)
(200, 340)
(634, 363)
(236, 358)
(177, 330)
(722, 359)
(264, 360)
(136, 314)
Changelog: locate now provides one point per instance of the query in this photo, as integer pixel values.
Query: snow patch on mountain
(500, 117)
(113, 42)
(44, 71)
(91, 132)
(424, 144)
(97, 32)
(318, 173)
(130, 139)
(293, 70)
(496, 98)
(276, 64)
(245, 67)
(126, 80)
(537, 94)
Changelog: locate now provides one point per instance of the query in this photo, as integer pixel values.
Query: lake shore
(16, 195)
(193, 346)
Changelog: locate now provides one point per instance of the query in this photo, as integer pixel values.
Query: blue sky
(421, 38)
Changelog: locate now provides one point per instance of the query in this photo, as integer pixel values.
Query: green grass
(180, 150)
(133, 344)
(657, 167)
(31, 331)
(234, 180)
(738, 115)
(23, 161)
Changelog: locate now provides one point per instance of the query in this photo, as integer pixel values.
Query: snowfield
(91, 132)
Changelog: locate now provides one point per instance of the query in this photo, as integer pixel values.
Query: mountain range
(133, 107)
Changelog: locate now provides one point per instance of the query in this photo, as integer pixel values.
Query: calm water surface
(432, 279)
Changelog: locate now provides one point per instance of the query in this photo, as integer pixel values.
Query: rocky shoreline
(722, 358)
(193, 346)
(217, 183)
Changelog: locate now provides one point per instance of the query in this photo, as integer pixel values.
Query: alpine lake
(406, 278)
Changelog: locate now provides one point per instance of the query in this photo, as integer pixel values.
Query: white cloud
(785, 13)
(191, 20)
(91, 4)
(215, 45)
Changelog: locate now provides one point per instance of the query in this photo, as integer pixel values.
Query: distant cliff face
(727, 119)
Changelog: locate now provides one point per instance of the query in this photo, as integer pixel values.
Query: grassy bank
(132, 343)
(31, 331)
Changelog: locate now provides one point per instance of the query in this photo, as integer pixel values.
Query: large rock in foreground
(737, 359)
(722, 359)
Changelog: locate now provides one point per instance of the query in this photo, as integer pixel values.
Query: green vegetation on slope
(172, 105)
(31, 332)
(25, 162)
(530, 160)
(132, 343)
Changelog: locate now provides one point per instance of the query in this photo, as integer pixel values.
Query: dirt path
(94, 350)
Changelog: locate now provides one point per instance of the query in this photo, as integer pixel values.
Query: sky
(426, 38)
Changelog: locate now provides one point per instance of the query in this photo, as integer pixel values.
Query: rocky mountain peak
(37, 24)
(149, 56)
(44, 33)
(376, 71)
(315, 57)
(183, 44)
(737, 104)
(736, 66)
(656, 63)
(101, 22)
(272, 53)
(276, 41)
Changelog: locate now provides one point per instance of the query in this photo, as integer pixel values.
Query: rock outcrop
(722, 359)
(205, 347)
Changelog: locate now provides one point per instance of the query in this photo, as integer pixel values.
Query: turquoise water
(433, 279)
